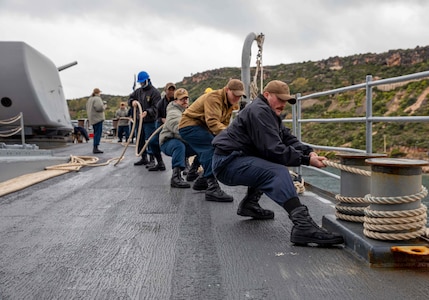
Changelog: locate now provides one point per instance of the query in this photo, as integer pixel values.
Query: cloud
(114, 40)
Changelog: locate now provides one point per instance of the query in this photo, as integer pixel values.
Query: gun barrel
(60, 68)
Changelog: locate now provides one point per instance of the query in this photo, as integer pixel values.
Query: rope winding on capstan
(343, 209)
(382, 224)
(399, 224)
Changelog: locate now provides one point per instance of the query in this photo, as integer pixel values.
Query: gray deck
(122, 233)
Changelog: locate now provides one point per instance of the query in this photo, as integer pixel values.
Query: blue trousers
(270, 178)
(123, 130)
(200, 139)
(178, 151)
(98, 131)
(82, 132)
(147, 130)
(154, 142)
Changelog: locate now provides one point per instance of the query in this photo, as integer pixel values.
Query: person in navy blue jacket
(255, 151)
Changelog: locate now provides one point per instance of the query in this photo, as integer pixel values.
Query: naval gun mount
(30, 85)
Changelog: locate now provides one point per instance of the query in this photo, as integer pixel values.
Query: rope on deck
(74, 165)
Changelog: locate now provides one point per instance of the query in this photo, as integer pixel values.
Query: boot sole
(247, 213)
(191, 178)
(305, 241)
(214, 199)
(154, 170)
(199, 188)
(180, 187)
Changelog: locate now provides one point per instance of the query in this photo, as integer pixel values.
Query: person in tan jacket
(202, 121)
(95, 111)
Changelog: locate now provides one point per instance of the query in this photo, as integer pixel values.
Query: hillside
(314, 76)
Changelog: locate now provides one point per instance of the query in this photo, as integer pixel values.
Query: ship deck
(121, 232)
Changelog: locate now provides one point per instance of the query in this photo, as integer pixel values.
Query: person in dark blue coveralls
(255, 150)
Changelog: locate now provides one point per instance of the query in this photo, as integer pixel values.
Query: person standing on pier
(95, 110)
(255, 150)
(202, 121)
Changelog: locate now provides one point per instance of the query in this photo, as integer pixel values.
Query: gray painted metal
(245, 63)
(351, 184)
(395, 178)
(30, 83)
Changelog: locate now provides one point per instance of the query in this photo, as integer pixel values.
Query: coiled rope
(26, 180)
(130, 138)
(350, 209)
(379, 224)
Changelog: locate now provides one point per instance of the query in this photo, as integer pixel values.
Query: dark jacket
(162, 109)
(258, 131)
(148, 99)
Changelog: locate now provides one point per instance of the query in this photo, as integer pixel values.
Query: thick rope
(379, 224)
(130, 138)
(10, 120)
(24, 181)
(298, 182)
(347, 168)
(385, 225)
(138, 136)
(10, 132)
(398, 200)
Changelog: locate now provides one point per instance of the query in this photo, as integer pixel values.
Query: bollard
(395, 211)
(354, 186)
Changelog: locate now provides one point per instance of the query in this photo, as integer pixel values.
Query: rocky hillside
(410, 98)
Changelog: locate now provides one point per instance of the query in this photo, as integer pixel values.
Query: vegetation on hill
(308, 77)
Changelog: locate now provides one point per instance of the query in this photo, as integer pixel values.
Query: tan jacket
(95, 110)
(211, 111)
(170, 129)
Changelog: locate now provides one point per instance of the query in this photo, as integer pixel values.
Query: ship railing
(10, 131)
(368, 119)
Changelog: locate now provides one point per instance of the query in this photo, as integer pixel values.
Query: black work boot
(193, 171)
(177, 180)
(187, 167)
(151, 162)
(249, 206)
(200, 184)
(214, 192)
(142, 161)
(95, 150)
(159, 166)
(305, 230)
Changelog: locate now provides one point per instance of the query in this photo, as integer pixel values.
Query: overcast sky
(112, 40)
